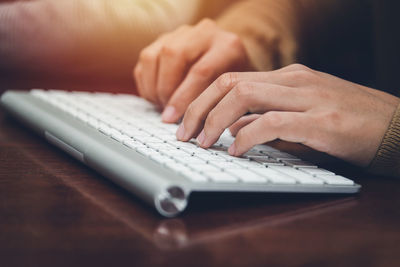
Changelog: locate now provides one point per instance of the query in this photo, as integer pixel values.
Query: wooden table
(55, 211)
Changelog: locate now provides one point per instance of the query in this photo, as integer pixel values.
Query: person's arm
(89, 39)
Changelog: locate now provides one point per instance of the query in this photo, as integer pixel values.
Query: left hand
(177, 67)
(296, 104)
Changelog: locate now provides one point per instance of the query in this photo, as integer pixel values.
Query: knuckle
(242, 91)
(147, 55)
(226, 81)
(211, 121)
(297, 66)
(303, 76)
(202, 70)
(321, 93)
(233, 40)
(300, 74)
(329, 121)
(137, 72)
(273, 119)
(207, 23)
(333, 118)
(191, 111)
(244, 135)
(169, 51)
(184, 27)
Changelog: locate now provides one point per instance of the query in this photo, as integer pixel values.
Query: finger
(137, 74)
(295, 127)
(248, 97)
(173, 63)
(200, 75)
(290, 76)
(221, 86)
(243, 121)
(148, 59)
(172, 66)
(176, 57)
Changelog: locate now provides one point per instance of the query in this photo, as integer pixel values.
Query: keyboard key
(300, 176)
(94, 123)
(248, 176)
(161, 146)
(191, 160)
(210, 158)
(265, 148)
(335, 180)
(149, 139)
(233, 159)
(317, 172)
(251, 154)
(204, 168)
(105, 129)
(195, 176)
(299, 163)
(219, 150)
(132, 143)
(144, 150)
(267, 161)
(221, 177)
(251, 164)
(226, 165)
(275, 176)
(279, 155)
(120, 137)
(161, 159)
(177, 153)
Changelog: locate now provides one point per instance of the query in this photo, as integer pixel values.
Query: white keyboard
(137, 125)
(122, 137)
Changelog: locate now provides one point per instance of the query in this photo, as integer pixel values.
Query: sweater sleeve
(387, 158)
(91, 39)
(267, 29)
(274, 32)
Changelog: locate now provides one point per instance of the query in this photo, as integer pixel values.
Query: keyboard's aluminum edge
(276, 188)
(124, 166)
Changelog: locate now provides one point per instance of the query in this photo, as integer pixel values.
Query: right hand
(179, 66)
(294, 104)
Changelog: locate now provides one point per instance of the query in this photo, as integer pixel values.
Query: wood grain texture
(55, 211)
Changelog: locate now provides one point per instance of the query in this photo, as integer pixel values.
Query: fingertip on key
(170, 115)
(232, 150)
(180, 133)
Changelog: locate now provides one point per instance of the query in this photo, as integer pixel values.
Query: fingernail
(201, 138)
(180, 133)
(232, 149)
(169, 114)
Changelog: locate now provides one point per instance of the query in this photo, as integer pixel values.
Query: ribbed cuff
(387, 158)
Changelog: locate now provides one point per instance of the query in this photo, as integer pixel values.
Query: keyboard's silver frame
(165, 189)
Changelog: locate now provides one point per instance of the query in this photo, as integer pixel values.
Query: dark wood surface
(55, 211)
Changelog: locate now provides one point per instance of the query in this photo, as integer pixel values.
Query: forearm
(85, 38)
